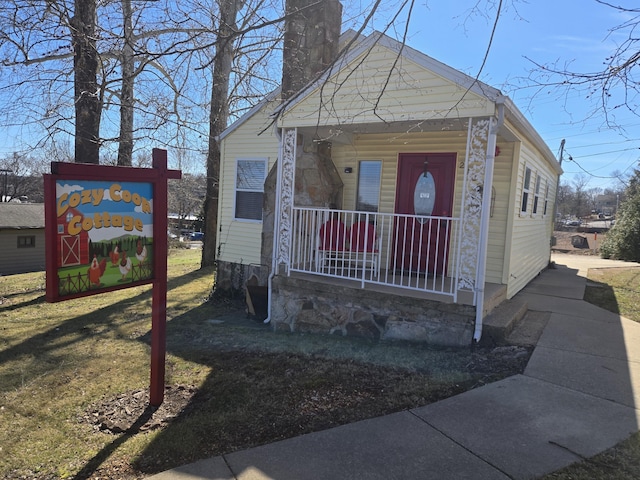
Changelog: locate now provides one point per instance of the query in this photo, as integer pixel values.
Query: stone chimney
(311, 37)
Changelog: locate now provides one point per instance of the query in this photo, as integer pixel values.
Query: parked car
(196, 237)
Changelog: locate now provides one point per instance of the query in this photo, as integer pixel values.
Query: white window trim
(545, 210)
(537, 185)
(526, 190)
(379, 180)
(235, 184)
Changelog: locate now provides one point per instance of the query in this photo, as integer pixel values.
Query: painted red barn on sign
(74, 249)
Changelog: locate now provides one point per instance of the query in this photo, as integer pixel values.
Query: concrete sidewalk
(579, 395)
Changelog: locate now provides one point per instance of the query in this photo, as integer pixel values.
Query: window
(546, 196)
(526, 185)
(536, 195)
(26, 241)
(250, 176)
(369, 173)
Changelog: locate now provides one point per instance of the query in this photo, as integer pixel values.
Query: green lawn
(73, 371)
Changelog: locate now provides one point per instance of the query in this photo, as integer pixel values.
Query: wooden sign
(106, 229)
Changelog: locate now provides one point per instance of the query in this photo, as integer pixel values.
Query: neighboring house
(607, 204)
(411, 199)
(21, 237)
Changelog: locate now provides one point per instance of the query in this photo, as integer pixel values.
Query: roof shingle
(21, 215)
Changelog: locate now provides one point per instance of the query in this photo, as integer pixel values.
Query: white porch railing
(405, 251)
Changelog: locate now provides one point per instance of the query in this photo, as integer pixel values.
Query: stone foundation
(233, 277)
(300, 305)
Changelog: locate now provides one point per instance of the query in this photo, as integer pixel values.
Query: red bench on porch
(342, 245)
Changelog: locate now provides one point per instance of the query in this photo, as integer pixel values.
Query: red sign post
(106, 229)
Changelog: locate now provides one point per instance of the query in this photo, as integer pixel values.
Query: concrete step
(501, 321)
(527, 332)
(494, 296)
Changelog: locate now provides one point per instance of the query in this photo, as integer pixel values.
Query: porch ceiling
(343, 134)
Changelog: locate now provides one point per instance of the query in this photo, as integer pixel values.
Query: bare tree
(218, 118)
(87, 101)
(125, 146)
(186, 196)
(615, 87)
(21, 176)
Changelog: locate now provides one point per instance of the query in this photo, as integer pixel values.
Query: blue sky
(545, 31)
(574, 32)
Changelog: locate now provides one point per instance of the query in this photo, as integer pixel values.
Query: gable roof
(345, 38)
(355, 46)
(21, 215)
(380, 39)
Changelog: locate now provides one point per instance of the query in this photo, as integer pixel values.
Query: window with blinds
(369, 175)
(250, 176)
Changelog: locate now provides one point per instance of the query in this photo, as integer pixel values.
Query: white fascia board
(442, 69)
(520, 121)
(269, 97)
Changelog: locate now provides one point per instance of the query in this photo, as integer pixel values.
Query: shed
(22, 243)
(579, 241)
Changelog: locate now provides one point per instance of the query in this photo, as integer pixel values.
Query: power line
(605, 143)
(609, 152)
(609, 177)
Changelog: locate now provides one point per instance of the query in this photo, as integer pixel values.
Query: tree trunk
(125, 147)
(85, 67)
(218, 122)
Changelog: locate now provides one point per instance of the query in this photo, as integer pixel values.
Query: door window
(424, 196)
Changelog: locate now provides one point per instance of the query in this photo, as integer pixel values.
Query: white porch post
(283, 208)
(472, 202)
(476, 209)
(484, 226)
(285, 189)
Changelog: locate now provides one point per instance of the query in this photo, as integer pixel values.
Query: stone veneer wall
(300, 305)
(232, 277)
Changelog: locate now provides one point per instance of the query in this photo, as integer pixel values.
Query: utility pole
(555, 204)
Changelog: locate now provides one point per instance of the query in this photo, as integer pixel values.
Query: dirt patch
(131, 413)
(566, 244)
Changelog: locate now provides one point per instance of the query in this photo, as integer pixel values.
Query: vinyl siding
(353, 95)
(531, 233)
(240, 241)
(20, 260)
(498, 222)
(387, 148)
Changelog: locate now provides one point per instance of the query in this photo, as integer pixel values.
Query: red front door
(424, 190)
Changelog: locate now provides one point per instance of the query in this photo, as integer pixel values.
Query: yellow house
(410, 198)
